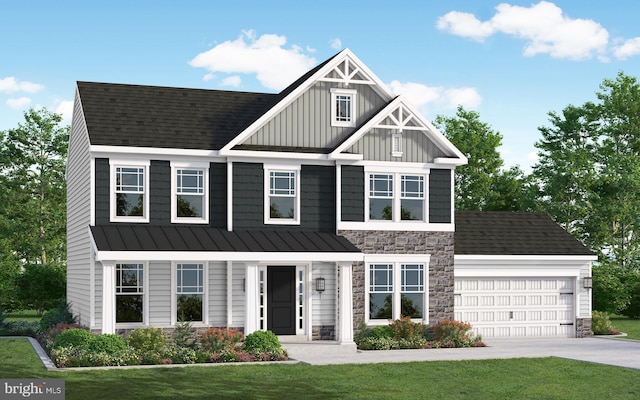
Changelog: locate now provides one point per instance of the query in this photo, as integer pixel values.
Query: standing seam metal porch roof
(206, 239)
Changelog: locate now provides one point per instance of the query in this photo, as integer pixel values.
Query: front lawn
(545, 378)
(629, 326)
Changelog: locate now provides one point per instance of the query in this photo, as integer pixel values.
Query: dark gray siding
(440, 196)
(218, 195)
(317, 201)
(102, 191)
(248, 197)
(160, 193)
(318, 198)
(352, 193)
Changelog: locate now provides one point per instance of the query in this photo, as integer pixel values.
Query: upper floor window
(190, 195)
(130, 200)
(282, 200)
(343, 106)
(396, 197)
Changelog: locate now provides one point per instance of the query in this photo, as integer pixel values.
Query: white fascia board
(146, 152)
(244, 155)
(251, 129)
(537, 272)
(406, 226)
(508, 258)
(403, 258)
(454, 162)
(227, 256)
(383, 90)
(355, 136)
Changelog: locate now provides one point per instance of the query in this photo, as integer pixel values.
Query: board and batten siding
(375, 145)
(306, 122)
(159, 293)
(79, 255)
(352, 193)
(324, 309)
(440, 196)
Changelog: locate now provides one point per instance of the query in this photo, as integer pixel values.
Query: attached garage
(520, 275)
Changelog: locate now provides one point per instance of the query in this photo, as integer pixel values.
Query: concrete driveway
(617, 352)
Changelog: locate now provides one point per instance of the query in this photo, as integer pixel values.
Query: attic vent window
(343, 105)
(396, 145)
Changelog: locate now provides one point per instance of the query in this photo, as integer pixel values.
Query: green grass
(629, 326)
(544, 378)
(27, 315)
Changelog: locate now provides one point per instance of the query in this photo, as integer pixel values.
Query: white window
(129, 188)
(396, 289)
(130, 293)
(282, 196)
(343, 106)
(190, 199)
(190, 291)
(396, 197)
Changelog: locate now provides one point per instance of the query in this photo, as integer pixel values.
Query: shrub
(147, 340)
(601, 324)
(74, 337)
(183, 335)
(47, 338)
(217, 339)
(107, 343)
(60, 314)
(452, 333)
(382, 331)
(261, 342)
(404, 328)
(77, 357)
(178, 355)
(21, 328)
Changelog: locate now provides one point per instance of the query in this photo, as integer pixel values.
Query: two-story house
(302, 212)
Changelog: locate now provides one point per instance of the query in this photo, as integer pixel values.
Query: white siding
(217, 293)
(238, 295)
(159, 292)
(98, 295)
(78, 176)
(324, 305)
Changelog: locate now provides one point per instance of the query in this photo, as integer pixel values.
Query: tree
(34, 156)
(40, 287)
(482, 184)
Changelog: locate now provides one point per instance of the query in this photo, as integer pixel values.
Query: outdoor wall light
(587, 282)
(320, 285)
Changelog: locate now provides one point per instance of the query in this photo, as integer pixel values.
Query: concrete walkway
(617, 352)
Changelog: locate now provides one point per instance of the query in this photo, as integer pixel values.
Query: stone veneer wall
(583, 327)
(439, 245)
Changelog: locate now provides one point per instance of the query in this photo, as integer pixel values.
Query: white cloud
(437, 97)
(234, 81)
(543, 26)
(630, 47)
(12, 85)
(65, 108)
(18, 103)
(274, 65)
(533, 157)
(335, 44)
(208, 77)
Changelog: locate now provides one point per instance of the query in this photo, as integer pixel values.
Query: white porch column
(108, 296)
(345, 305)
(251, 299)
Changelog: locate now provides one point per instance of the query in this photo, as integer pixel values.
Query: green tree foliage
(33, 199)
(41, 286)
(482, 184)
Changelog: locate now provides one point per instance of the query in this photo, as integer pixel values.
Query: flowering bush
(147, 340)
(404, 328)
(217, 339)
(454, 333)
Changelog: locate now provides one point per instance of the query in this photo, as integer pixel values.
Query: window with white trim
(190, 201)
(343, 106)
(282, 196)
(396, 145)
(190, 292)
(130, 293)
(129, 185)
(396, 197)
(395, 290)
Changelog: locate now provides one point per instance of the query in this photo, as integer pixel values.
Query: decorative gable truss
(348, 72)
(399, 133)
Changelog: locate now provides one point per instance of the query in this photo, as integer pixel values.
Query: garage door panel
(501, 307)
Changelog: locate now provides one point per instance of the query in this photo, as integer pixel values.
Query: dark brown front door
(281, 300)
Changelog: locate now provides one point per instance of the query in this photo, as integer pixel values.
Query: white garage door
(521, 307)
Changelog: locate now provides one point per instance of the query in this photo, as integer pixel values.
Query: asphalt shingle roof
(513, 233)
(201, 238)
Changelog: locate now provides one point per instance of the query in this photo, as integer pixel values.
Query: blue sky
(512, 61)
